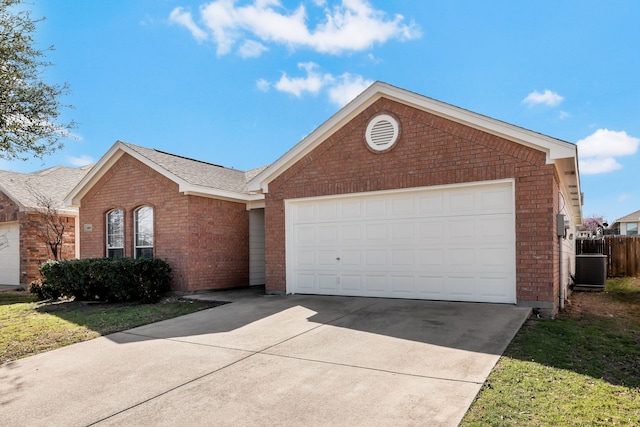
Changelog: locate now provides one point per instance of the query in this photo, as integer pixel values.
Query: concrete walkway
(271, 360)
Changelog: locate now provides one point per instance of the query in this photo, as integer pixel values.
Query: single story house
(396, 195)
(23, 205)
(138, 202)
(627, 225)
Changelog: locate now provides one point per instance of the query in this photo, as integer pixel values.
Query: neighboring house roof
(561, 153)
(632, 217)
(53, 184)
(193, 177)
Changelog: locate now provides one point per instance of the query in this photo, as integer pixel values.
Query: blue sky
(238, 83)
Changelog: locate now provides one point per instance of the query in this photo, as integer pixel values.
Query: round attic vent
(382, 132)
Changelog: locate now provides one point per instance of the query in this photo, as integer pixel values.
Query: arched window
(115, 233)
(143, 232)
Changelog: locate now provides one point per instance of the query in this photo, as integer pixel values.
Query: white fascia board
(97, 171)
(115, 153)
(195, 190)
(552, 147)
(261, 181)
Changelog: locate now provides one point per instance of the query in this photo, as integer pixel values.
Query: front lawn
(582, 368)
(28, 327)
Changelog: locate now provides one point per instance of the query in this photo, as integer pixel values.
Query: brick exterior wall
(9, 210)
(33, 250)
(206, 241)
(430, 151)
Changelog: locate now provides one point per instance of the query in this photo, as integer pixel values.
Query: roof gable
(53, 183)
(632, 217)
(561, 153)
(194, 177)
(552, 147)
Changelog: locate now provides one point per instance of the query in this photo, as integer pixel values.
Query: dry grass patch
(28, 327)
(582, 368)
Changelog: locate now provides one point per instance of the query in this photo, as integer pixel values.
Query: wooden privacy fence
(623, 253)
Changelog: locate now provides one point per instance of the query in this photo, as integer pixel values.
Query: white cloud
(184, 18)
(598, 151)
(83, 160)
(263, 85)
(347, 88)
(605, 142)
(252, 49)
(351, 25)
(564, 115)
(593, 166)
(624, 197)
(340, 90)
(547, 98)
(312, 83)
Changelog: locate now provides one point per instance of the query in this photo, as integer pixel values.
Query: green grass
(28, 327)
(582, 368)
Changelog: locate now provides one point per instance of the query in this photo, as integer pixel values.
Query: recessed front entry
(442, 243)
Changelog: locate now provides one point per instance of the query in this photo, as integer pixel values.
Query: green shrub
(43, 290)
(102, 279)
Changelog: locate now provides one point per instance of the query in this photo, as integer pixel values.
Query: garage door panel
(351, 283)
(328, 234)
(402, 285)
(429, 258)
(431, 230)
(376, 232)
(462, 229)
(351, 232)
(462, 287)
(402, 206)
(375, 257)
(306, 258)
(375, 208)
(10, 254)
(401, 232)
(431, 204)
(402, 257)
(376, 284)
(328, 258)
(306, 234)
(495, 258)
(351, 209)
(306, 282)
(444, 244)
(462, 202)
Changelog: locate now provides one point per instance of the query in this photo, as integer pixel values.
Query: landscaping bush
(102, 279)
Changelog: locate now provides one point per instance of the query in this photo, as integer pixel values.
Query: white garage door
(445, 243)
(10, 254)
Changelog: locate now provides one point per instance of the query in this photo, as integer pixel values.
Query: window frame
(113, 251)
(143, 247)
(635, 229)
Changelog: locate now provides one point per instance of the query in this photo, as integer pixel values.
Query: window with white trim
(143, 238)
(115, 233)
(632, 228)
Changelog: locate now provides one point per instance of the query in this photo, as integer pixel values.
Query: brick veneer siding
(9, 210)
(206, 241)
(430, 151)
(34, 250)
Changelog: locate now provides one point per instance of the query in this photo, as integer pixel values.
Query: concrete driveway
(271, 360)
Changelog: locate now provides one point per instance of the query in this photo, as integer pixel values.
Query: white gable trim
(118, 150)
(553, 148)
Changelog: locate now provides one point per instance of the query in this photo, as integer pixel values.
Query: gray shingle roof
(197, 172)
(632, 217)
(53, 183)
